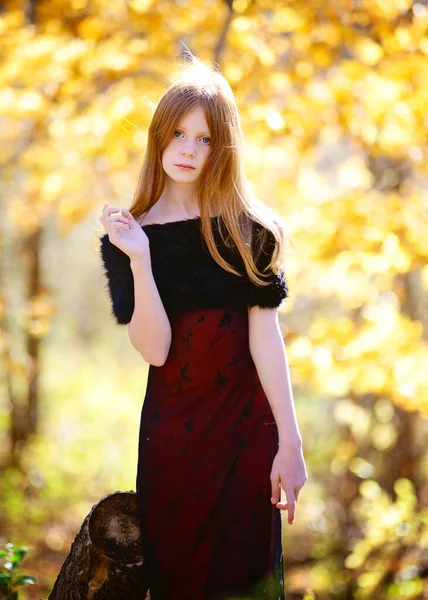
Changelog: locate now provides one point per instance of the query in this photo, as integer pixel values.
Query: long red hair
(222, 187)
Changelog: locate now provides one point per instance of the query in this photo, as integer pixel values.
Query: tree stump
(105, 560)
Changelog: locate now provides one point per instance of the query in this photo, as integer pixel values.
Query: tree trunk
(105, 559)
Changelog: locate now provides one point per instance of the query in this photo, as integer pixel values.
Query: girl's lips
(185, 168)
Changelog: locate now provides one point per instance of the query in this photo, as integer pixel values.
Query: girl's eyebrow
(200, 133)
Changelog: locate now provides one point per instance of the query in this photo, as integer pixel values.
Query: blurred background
(334, 102)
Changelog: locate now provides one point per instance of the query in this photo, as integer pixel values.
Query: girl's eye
(204, 138)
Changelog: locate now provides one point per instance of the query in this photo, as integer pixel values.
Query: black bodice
(186, 275)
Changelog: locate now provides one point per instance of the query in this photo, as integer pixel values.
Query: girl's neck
(178, 199)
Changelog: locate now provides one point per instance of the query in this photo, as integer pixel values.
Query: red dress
(207, 433)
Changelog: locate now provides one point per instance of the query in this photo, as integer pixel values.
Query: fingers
(117, 226)
(105, 213)
(276, 490)
(290, 505)
(127, 213)
(291, 495)
(107, 210)
(118, 218)
(109, 214)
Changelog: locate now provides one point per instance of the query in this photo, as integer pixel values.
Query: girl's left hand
(289, 472)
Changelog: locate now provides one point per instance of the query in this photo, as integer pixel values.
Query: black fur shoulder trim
(120, 280)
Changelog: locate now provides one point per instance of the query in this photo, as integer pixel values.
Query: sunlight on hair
(194, 71)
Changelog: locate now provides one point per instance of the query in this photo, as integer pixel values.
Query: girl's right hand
(124, 231)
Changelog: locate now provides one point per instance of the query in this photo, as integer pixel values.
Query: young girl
(192, 268)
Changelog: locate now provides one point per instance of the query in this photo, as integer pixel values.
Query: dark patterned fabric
(207, 435)
(207, 442)
(186, 275)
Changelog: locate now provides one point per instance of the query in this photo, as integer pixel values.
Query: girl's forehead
(197, 115)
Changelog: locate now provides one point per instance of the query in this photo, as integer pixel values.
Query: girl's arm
(268, 353)
(131, 286)
(149, 329)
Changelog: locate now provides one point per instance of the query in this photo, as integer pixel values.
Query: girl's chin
(183, 177)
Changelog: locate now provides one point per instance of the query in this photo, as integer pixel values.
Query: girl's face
(190, 145)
